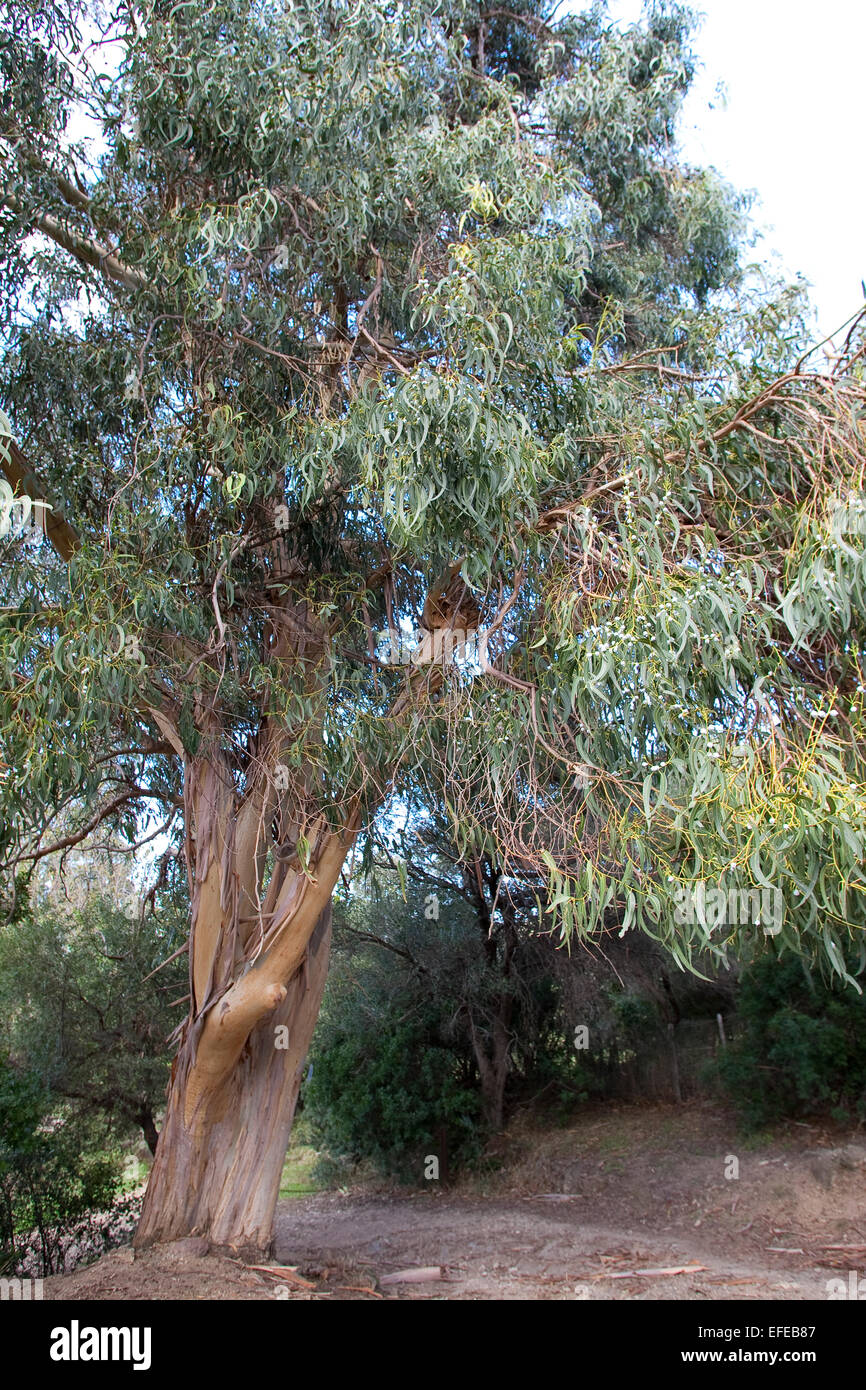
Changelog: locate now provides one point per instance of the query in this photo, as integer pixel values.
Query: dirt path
(572, 1211)
(539, 1248)
(571, 1214)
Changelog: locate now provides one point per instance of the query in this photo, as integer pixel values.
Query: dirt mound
(186, 1270)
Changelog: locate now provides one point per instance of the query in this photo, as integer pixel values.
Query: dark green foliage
(391, 1091)
(393, 1077)
(76, 1004)
(53, 1168)
(83, 1060)
(414, 1007)
(800, 1047)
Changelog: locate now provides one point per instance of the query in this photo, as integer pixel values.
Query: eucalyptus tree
(324, 319)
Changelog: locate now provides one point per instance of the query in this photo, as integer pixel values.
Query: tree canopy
(334, 300)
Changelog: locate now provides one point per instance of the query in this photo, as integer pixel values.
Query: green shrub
(800, 1047)
(55, 1168)
(79, 1000)
(391, 1093)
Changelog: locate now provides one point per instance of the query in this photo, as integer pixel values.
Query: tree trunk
(493, 1098)
(217, 1173)
(148, 1127)
(675, 1065)
(493, 1065)
(258, 959)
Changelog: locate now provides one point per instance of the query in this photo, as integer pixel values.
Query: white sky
(790, 128)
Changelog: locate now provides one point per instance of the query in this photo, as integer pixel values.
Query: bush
(391, 1092)
(54, 1169)
(800, 1047)
(76, 1003)
(408, 1057)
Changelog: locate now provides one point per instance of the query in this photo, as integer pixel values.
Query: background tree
(55, 1167)
(350, 294)
(85, 1012)
(467, 952)
(394, 1077)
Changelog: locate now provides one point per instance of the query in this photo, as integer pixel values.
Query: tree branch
(85, 250)
(77, 836)
(19, 473)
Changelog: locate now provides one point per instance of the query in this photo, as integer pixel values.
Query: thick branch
(263, 987)
(85, 250)
(21, 476)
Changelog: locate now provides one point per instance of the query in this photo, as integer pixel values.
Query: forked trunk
(263, 860)
(218, 1173)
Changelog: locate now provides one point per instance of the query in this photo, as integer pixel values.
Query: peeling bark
(218, 1173)
(258, 962)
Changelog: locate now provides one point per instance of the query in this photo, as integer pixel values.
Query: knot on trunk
(274, 994)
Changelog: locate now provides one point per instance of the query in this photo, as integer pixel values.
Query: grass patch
(297, 1175)
(756, 1139)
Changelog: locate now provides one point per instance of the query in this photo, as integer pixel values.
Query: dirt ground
(627, 1203)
